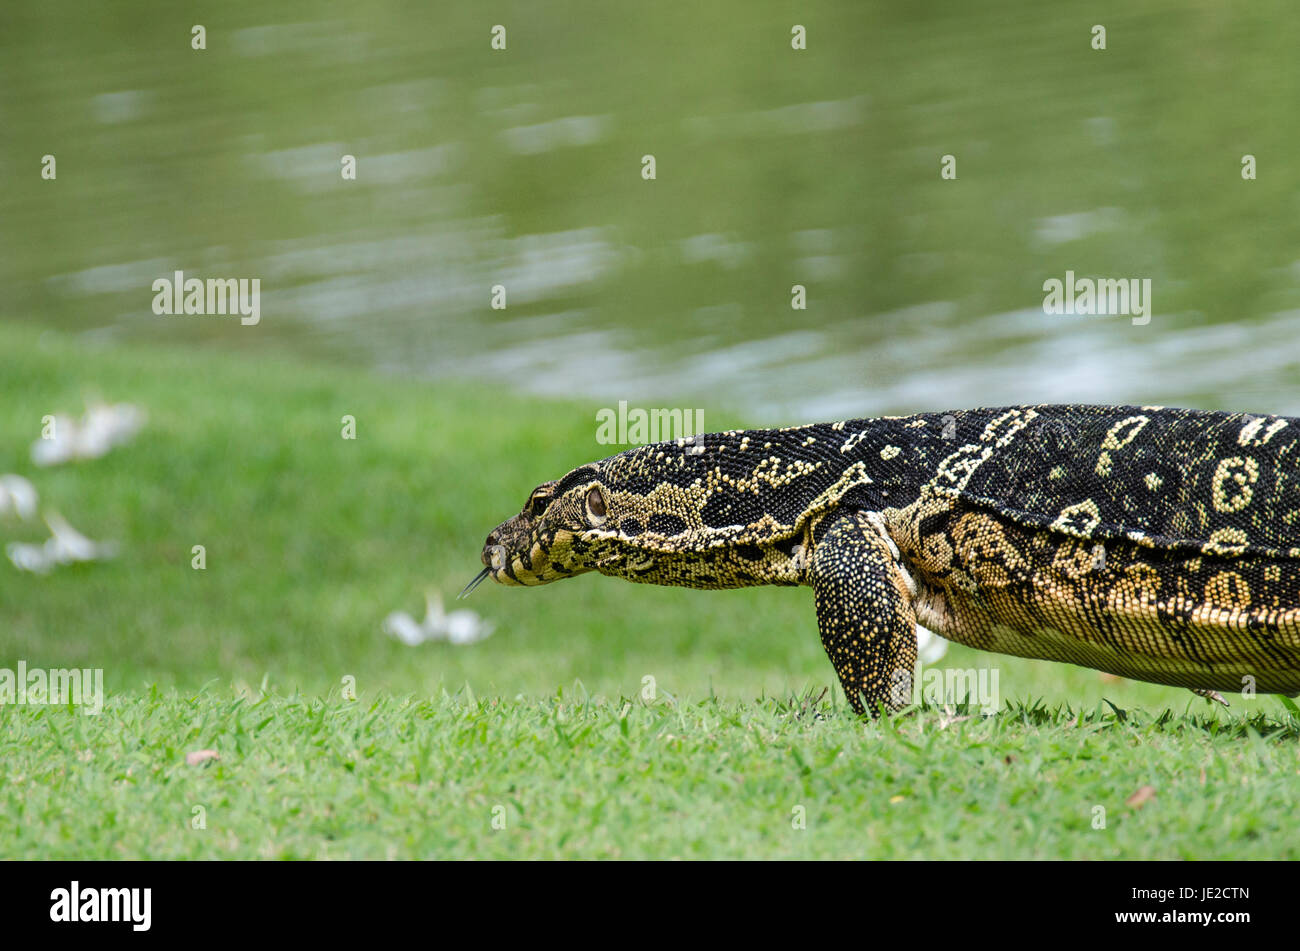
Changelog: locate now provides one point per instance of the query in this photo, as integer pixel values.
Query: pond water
(524, 168)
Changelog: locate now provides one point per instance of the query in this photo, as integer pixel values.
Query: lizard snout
(494, 557)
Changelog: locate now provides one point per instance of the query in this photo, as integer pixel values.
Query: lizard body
(1153, 543)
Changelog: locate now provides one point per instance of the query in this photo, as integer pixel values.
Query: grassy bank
(528, 778)
(311, 539)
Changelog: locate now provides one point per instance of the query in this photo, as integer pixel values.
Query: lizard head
(561, 532)
(667, 513)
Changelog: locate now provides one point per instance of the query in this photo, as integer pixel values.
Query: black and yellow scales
(1158, 544)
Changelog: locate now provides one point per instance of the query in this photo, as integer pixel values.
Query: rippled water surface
(775, 167)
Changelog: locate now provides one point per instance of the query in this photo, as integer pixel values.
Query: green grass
(312, 539)
(454, 776)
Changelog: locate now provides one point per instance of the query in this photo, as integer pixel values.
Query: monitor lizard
(1153, 543)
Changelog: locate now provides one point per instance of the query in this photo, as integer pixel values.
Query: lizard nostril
(491, 540)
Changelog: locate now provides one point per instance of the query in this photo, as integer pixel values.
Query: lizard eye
(596, 509)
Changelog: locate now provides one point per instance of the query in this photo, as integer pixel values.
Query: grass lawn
(542, 740)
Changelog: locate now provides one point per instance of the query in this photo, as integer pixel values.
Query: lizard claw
(1210, 695)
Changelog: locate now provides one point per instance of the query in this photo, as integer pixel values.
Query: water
(775, 167)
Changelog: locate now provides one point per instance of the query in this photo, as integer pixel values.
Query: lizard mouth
(494, 560)
(478, 580)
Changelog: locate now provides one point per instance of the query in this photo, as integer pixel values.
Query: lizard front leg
(864, 612)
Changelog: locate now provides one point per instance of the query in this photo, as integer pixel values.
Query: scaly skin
(1157, 544)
